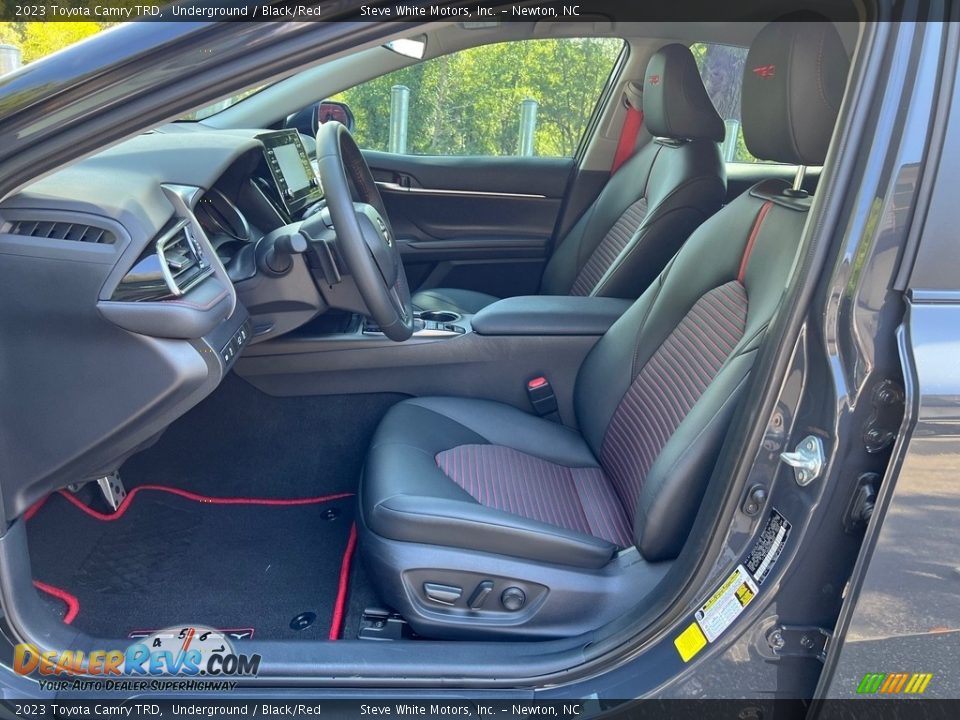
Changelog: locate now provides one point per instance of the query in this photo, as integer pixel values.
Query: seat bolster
(673, 489)
(405, 496)
(500, 424)
(623, 189)
(469, 525)
(464, 302)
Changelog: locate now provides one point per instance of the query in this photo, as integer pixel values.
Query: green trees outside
(39, 39)
(468, 103)
(721, 67)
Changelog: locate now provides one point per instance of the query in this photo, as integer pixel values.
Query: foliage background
(38, 39)
(468, 103)
(721, 67)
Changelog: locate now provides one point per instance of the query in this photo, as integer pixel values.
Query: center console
(549, 315)
(492, 354)
(428, 324)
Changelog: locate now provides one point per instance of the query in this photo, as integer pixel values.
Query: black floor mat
(361, 596)
(240, 441)
(168, 560)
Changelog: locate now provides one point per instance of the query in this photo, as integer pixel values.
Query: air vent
(171, 267)
(76, 232)
(181, 259)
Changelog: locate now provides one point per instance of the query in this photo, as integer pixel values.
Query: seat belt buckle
(541, 396)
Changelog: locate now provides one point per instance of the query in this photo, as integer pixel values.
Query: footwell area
(240, 441)
(170, 557)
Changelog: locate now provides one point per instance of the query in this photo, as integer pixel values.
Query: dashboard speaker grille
(76, 232)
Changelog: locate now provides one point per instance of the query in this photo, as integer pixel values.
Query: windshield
(22, 43)
(205, 112)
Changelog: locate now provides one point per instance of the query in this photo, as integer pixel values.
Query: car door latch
(797, 641)
(806, 460)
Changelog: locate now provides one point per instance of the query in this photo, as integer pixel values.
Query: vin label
(772, 540)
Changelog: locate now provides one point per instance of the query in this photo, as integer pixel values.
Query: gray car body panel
(902, 612)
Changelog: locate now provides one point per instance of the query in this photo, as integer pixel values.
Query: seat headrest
(793, 83)
(675, 103)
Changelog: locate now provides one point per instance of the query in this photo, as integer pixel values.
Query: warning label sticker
(769, 546)
(726, 604)
(690, 642)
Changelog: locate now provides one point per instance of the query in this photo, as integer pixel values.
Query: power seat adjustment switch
(442, 594)
(479, 595)
(513, 599)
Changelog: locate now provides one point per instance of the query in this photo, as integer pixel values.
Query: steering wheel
(364, 236)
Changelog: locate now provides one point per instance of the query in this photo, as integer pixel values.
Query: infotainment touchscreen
(288, 157)
(290, 166)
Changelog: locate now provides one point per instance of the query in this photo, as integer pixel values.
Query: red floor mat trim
(196, 498)
(35, 508)
(73, 605)
(336, 624)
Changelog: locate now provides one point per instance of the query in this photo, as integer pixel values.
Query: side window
(529, 97)
(721, 67)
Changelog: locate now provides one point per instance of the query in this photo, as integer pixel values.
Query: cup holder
(440, 316)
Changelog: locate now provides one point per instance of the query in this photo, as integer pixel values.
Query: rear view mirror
(328, 110)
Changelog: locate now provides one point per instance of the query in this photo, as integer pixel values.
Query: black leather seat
(650, 205)
(459, 492)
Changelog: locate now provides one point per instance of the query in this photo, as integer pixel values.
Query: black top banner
(471, 11)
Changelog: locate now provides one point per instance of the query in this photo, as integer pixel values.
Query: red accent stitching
(336, 623)
(197, 498)
(73, 605)
(752, 239)
(765, 71)
(654, 79)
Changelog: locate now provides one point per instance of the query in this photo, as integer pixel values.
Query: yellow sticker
(690, 642)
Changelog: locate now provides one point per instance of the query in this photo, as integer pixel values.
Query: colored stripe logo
(894, 683)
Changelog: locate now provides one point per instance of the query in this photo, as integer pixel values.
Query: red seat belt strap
(633, 99)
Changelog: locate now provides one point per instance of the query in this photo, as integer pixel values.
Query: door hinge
(798, 641)
(806, 460)
(860, 508)
(880, 429)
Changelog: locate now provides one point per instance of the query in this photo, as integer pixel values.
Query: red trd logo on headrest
(765, 71)
(654, 79)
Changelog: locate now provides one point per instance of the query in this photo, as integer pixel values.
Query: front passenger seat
(479, 519)
(649, 206)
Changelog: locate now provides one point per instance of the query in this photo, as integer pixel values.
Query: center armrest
(549, 315)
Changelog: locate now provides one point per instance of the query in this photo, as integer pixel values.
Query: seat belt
(633, 100)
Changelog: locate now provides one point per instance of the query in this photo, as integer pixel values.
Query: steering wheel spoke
(364, 236)
(398, 303)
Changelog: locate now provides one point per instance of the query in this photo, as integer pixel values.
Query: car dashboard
(121, 275)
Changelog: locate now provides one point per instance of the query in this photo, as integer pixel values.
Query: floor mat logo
(188, 651)
(228, 633)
